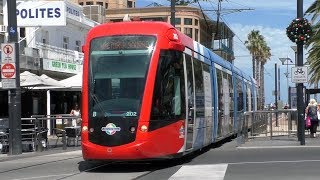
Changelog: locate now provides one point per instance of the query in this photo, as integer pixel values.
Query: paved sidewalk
(280, 142)
(52, 149)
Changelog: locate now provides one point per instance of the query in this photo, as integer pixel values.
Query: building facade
(189, 20)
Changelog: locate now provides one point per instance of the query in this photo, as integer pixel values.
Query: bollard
(38, 135)
(39, 142)
(64, 146)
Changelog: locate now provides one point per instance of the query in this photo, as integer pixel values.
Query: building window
(100, 3)
(130, 4)
(178, 21)
(106, 5)
(81, 3)
(188, 32)
(89, 3)
(65, 42)
(196, 34)
(187, 21)
(44, 41)
(196, 22)
(22, 32)
(179, 28)
(78, 45)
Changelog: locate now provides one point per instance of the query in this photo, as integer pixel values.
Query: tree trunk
(253, 67)
(262, 97)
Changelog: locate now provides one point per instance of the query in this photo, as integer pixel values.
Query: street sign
(299, 74)
(8, 53)
(8, 83)
(8, 71)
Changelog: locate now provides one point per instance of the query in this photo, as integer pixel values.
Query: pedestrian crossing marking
(203, 172)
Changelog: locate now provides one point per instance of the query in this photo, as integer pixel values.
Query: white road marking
(201, 172)
(273, 162)
(41, 177)
(276, 147)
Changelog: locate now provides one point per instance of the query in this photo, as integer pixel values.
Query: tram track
(39, 164)
(86, 170)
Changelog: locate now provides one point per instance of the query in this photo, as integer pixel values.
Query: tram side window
(168, 97)
(248, 97)
(199, 89)
(239, 95)
(221, 101)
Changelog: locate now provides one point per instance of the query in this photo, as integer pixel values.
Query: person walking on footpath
(312, 112)
(76, 112)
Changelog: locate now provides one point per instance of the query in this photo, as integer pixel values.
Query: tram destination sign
(299, 74)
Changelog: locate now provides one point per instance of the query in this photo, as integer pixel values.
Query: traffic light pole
(14, 95)
(300, 100)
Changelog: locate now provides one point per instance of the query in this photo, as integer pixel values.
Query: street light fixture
(294, 48)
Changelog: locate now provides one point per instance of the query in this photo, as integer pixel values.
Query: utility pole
(279, 82)
(275, 86)
(173, 13)
(300, 101)
(14, 95)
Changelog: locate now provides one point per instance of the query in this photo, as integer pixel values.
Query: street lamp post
(300, 101)
(285, 61)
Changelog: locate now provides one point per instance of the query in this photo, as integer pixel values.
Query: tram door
(190, 102)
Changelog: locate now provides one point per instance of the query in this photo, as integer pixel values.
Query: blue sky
(269, 17)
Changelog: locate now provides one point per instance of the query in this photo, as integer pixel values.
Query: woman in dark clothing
(312, 112)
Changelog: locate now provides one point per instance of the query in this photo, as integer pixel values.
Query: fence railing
(268, 124)
(34, 132)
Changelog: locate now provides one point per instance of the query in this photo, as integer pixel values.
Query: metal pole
(14, 95)
(276, 93)
(173, 13)
(279, 91)
(300, 100)
(287, 75)
(275, 86)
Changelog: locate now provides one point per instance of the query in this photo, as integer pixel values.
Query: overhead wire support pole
(14, 95)
(173, 13)
(300, 100)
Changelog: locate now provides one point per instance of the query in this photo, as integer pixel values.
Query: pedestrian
(76, 112)
(312, 112)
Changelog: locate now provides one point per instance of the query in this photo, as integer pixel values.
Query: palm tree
(265, 56)
(314, 43)
(260, 52)
(253, 45)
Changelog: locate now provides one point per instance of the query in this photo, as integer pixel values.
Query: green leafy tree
(314, 43)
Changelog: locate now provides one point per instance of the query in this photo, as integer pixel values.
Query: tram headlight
(144, 128)
(84, 128)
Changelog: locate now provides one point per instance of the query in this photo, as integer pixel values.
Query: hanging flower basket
(299, 31)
